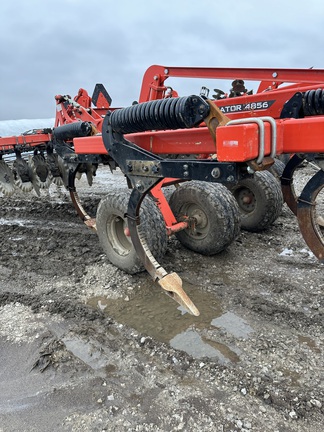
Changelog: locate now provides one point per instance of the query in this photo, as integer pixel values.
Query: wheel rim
(201, 223)
(116, 228)
(310, 214)
(317, 211)
(245, 199)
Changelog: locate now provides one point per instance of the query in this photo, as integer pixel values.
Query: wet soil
(86, 347)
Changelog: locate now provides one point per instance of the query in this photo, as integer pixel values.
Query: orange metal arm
(155, 75)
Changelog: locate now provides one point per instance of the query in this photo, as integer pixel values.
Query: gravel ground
(86, 347)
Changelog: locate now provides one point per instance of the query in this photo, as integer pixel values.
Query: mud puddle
(49, 225)
(151, 312)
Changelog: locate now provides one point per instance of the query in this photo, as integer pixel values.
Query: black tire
(168, 191)
(259, 199)
(284, 158)
(277, 168)
(216, 213)
(111, 223)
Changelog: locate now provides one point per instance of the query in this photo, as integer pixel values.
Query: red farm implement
(220, 152)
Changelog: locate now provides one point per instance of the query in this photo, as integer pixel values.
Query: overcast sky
(56, 47)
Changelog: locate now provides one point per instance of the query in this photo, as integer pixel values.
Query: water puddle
(293, 376)
(93, 356)
(309, 342)
(153, 313)
(233, 324)
(197, 346)
(87, 349)
(30, 223)
(150, 311)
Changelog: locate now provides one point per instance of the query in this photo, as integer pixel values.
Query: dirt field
(86, 347)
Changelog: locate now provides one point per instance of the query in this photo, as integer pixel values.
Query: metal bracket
(144, 168)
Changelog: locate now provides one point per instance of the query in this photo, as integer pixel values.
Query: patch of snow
(286, 252)
(17, 127)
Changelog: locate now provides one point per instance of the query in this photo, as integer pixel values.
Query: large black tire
(259, 199)
(216, 213)
(111, 223)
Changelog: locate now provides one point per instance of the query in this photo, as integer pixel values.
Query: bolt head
(216, 172)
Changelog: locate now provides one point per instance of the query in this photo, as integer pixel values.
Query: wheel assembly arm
(171, 283)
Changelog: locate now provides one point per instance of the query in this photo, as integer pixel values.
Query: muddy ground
(86, 347)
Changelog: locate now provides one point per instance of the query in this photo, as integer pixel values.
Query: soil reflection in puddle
(150, 311)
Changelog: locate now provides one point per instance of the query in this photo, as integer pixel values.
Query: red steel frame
(294, 135)
(234, 143)
(153, 86)
(26, 141)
